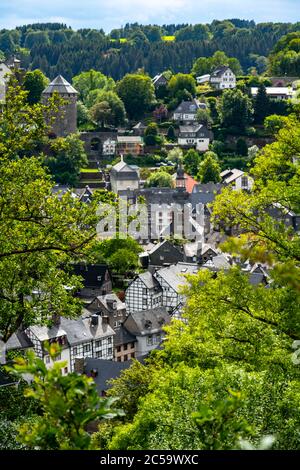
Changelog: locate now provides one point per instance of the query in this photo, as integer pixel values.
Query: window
(118, 348)
(149, 340)
(144, 291)
(145, 303)
(47, 358)
(119, 359)
(125, 357)
(57, 358)
(109, 351)
(86, 348)
(99, 354)
(244, 181)
(132, 345)
(158, 338)
(98, 343)
(125, 347)
(74, 350)
(65, 370)
(109, 340)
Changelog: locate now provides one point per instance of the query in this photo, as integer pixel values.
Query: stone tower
(66, 119)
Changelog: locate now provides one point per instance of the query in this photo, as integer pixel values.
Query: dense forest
(55, 48)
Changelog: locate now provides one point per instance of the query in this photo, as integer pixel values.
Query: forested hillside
(56, 48)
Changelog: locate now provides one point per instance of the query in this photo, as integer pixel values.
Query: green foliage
(175, 155)
(35, 82)
(66, 159)
(117, 114)
(137, 94)
(39, 231)
(160, 179)
(235, 109)
(85, 82)
(209, 169)
(285, 57)
(171, 134)
(68, 404)
(151, 136)
(206, 65)
(203, 116)
(191, 161)
(273, 123)
(181, 85)
(242, 147)
(123, 261)
(261, 105)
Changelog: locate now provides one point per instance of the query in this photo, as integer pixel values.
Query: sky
(109, 14)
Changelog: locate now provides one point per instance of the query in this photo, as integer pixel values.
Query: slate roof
(187, 107)
(147, 322)
(218, 72)
(106, 370)
(61, 86)
(217, 263)
(18, 340)
(174, 274)
(228, 176)
(93, 274)
(149, 281)
(199, 129)
(123, 336)
(43, 333)
(5, 379)
(76, 331)
(104, 298)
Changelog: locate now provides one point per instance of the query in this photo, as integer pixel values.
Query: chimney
(94, 320)
(79, 365)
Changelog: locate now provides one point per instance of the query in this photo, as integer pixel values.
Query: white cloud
(114, 13)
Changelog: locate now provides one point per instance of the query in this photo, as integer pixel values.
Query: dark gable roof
(149, 280)
(147, 322)
(198, 129)
(123, 336)
(5, 379)
(61, 86)
(18, 340)
(93, 274)
(218, 72)
(105, 371)
(187, 107)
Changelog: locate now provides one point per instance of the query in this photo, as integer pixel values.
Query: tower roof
(61, 86)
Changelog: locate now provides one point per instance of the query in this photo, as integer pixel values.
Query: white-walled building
(123, 176)
(195, 135)
(109, 147)
(276, 93)
(238, 179)
(223, 78)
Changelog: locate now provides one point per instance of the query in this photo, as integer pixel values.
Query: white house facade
(223, 78)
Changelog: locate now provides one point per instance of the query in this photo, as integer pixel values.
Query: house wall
(201, 144)
(101, 347)
(138, 297)
(170, 298)
(124, 352)
(147, 343)
(119, 185)
(184, 117)
(238, 183)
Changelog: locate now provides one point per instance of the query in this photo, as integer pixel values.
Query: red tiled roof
(189, 183)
